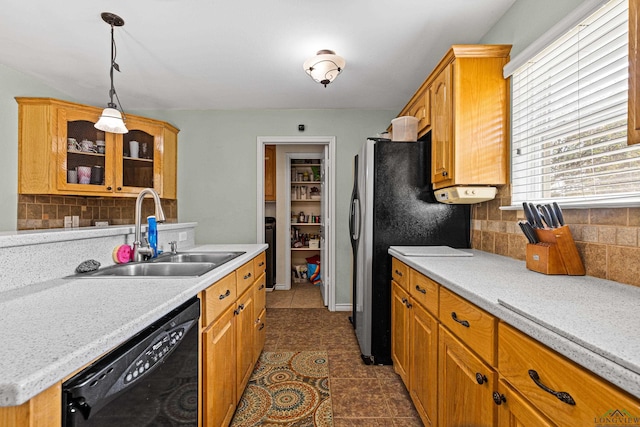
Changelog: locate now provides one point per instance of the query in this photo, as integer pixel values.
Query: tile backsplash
(608, 239)
(43, 211)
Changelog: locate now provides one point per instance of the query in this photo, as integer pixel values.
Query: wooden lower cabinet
(233, 342)
(219, 370)
(466, 385)
(244, 339)
(259, 316)
(423, 364)
(463, 366)
(43, 410)
(400, 316)
(414, 351)
(565, 393)
(515, 411)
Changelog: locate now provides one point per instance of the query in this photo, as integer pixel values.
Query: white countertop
(53, 328)
(591, 321)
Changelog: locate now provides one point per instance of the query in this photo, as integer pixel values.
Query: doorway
(325, 146)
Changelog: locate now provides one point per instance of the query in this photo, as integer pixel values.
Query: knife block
(556, 253)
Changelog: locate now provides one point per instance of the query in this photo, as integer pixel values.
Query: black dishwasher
(151, 380)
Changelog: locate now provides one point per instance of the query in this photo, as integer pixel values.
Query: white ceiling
(234, 54)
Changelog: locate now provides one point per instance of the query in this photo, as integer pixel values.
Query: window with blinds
(569, 112)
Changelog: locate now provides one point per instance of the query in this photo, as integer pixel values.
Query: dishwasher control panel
(154, 353)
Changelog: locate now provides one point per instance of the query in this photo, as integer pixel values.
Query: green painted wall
(217, 156)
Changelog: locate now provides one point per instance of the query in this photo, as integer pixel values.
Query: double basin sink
(182, 264)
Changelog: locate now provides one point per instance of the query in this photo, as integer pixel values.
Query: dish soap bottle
(152, 234)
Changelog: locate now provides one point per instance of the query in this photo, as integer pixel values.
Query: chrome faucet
(142, 250)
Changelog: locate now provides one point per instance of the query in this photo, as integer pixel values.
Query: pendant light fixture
(324, 67)
(111, 119)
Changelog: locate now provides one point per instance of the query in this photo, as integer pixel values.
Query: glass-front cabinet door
(85, 154)
(137, 162)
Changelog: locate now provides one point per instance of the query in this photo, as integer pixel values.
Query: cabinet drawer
(400, 273)
(473, 325)
(219, 296)
(424, 291)
(245, 277)
(260, 264)
(520, 355)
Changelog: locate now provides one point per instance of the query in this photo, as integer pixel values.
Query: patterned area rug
(287, 389)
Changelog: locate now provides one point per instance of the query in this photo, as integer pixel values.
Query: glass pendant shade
(324, 67)
(111, 121)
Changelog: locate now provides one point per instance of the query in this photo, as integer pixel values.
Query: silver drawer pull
(247, 276)
(226, 294)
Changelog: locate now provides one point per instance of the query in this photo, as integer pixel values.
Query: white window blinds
(569, 112)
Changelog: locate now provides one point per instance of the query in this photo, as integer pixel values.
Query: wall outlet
(182, 236)
(67, 222)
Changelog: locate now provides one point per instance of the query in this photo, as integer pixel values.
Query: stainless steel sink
(217, 258)
(183, 264)
(152, 269)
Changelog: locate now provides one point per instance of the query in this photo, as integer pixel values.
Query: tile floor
(362, 395)
(301, 295)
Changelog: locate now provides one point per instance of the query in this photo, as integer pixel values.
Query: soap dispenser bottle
(152, 234)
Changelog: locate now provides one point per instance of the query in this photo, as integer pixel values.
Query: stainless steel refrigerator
(392, 204)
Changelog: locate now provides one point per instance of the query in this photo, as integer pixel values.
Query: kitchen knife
(521, 224)
(527, 230)
(537, 220)
(558, 213)
(546, 216)
(552, 215)
(528, 214)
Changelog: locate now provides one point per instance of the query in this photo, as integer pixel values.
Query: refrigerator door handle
(354, 223)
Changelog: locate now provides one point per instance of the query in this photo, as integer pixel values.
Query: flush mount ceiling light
(111, 118)
(324, 67)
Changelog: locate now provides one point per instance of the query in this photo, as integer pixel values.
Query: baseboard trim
(344, 307)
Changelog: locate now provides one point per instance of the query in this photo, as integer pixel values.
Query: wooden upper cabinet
(419, 107)
(466, 97)
(270, 173)
(441, 133)
(45, 127)
(633, 123)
